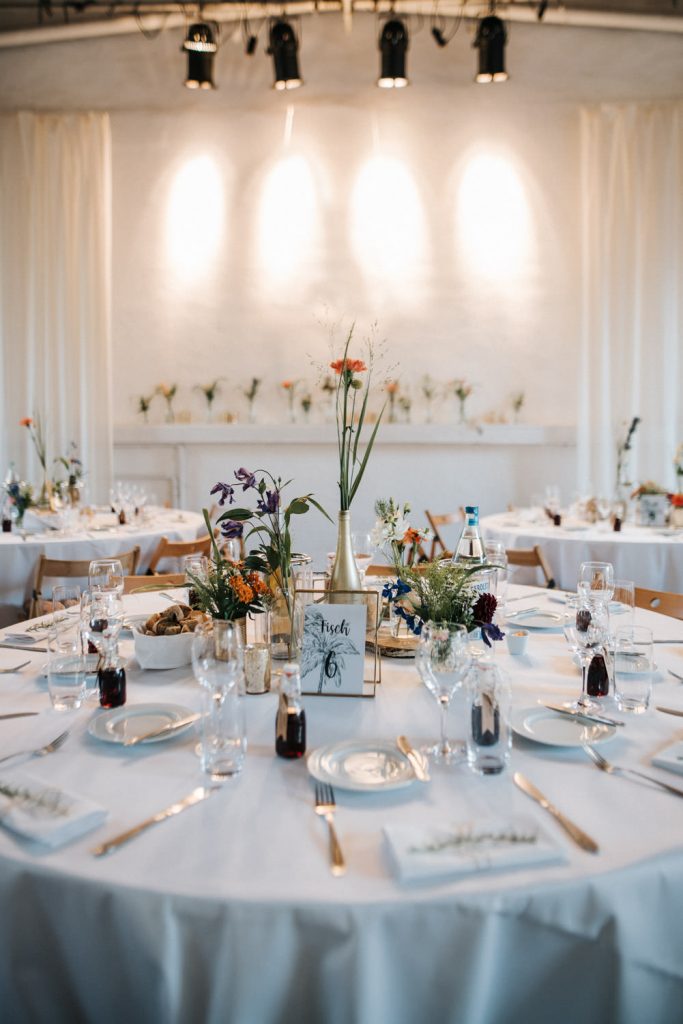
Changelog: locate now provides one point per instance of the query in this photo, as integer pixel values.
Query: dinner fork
(325, 806)
(675, 675)
(49, 748)
(607, 766)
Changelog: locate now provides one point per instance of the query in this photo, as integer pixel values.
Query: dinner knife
(585, 716)
(20, 714)
(577, 834)
(162, 730)
(24, 647)
(416, 762)
(670, 711)
(195, 797)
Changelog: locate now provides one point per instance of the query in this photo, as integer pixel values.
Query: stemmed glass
(363, 552)
(106, 575)
(442, 660)
(596, 581)
(100, 625)
(587, 633)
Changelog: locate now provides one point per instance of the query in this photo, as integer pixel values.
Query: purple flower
(226, 493)
(246, 478)
(271, 504)
(230, 529)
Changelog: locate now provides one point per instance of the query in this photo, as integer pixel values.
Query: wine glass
(596, 581)
(217, 655)
(363, 552)
(442, 660)
(587, 633)
(106, 575)
(603, 506)
(101, 619)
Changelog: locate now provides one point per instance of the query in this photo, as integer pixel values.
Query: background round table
(19, 552)
(650, 557)
(229, 912)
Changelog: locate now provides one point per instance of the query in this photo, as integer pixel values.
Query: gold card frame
(372, 658)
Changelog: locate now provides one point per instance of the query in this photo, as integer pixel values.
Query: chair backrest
(532, 557)
(61, 569)
(178, 549)
(435, 521)
(140, 584)
(660, 601)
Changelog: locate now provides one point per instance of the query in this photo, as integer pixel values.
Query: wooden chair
(660, 601)
(140, 584)
(178, 549)
(532, 558)
(435, 521)
(58, 569)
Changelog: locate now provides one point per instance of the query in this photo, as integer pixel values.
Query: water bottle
(470, 548)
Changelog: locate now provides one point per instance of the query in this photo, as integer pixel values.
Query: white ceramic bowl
(159, 652)
(517, 640)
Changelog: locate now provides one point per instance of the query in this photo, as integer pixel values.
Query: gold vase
(345, 575)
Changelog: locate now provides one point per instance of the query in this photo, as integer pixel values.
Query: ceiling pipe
(152, 21)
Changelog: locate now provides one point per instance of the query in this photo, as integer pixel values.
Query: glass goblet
(443, 659)
(106, 574)
(363, 552)
(587, 633)
(596, 581)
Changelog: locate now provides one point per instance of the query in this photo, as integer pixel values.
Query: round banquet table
(19, 552)
(650, 557)
(229, 912)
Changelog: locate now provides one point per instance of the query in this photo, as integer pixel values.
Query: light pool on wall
(288, 222)
(195, 217)
(494, 233)
(388, 233)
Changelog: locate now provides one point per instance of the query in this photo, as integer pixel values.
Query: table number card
(333, 650)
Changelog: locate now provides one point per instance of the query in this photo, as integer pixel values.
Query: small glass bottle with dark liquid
(6, 524)
(111, 679)
(597, 679)
(290, 721)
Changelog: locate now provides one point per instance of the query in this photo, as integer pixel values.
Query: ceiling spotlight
(490, 41)
(439, 37)
(200, 46)
(393, 45)
(284, 49)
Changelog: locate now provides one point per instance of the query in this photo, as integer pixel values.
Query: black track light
(393, 46)
(284, 49)
(490, 40)
(200, 46)
(439, 37)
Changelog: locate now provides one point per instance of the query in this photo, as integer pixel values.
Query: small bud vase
(345, 575)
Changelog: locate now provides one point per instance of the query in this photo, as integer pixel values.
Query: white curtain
(55, 290)
(631, 357)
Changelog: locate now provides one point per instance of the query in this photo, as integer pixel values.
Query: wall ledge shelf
(486, 434)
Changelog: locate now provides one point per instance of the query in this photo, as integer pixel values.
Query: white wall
(288, 236)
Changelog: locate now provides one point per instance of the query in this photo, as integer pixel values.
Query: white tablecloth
(19, 553)
(229, 912)
(651, 558)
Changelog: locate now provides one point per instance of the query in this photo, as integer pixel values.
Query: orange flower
(243, 591)
(26, 422)
(391, 387)
(412, 536)
(287, 384)
(351, 365)
(256, 583)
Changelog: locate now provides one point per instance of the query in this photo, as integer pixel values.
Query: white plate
(365, 766)
(537, 620)
(556, 730)
(120, 724)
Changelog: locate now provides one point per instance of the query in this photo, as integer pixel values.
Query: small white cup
(517, 640)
